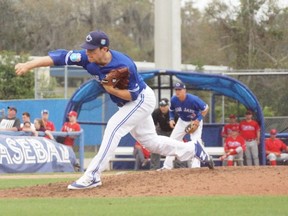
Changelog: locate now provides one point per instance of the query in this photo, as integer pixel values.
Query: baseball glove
(192, 127)
(118, 78)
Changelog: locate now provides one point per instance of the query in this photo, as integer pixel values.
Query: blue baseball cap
(179, 86)
(96, 39)
(12, 108)
(44, 111)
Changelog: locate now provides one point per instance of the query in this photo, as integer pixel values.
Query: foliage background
(12, 86)
(252, 37)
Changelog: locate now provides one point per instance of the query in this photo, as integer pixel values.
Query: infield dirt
(264, 180)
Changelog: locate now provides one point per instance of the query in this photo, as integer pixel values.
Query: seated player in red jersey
(275, 149)
(234, 147)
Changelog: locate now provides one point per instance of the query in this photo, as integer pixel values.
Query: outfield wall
(92, 132)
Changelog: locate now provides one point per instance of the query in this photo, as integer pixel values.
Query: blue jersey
(189, 109)
(119, 60)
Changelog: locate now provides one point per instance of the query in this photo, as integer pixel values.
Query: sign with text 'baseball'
(25, 154)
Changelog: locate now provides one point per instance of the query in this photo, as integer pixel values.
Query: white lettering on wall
(4, 155)
(17, 155)
(52, 151)
(30, 151)
(40, 152)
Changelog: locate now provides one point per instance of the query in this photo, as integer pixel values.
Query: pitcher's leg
(167, 146)
(121, 123)
(114, 131)
(146, 134)
(111, 138)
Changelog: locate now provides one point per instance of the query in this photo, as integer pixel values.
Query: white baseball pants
(135, 117)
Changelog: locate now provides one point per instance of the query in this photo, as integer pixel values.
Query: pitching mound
(178, 182)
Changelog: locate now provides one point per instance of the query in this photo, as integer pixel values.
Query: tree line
(253, 35)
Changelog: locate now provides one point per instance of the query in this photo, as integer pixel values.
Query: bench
(126, 154)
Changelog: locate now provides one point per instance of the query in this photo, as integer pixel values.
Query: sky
(201, 4)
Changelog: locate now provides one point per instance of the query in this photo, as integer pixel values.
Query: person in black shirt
(161, 120)
(10, 122)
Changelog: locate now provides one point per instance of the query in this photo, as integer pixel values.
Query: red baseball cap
(273, 132)
(232, 116)
(73, 113)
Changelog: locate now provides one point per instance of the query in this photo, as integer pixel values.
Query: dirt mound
(178, 182)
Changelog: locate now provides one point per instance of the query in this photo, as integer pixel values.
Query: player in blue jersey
(136, 103)
(188, 108)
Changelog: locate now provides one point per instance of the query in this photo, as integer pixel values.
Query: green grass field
(208, 205)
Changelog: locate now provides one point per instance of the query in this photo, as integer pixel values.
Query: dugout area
(160, 80)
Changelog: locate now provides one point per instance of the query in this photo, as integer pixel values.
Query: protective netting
(270, 90)
(279, 123)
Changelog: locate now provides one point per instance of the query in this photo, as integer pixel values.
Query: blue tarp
(220, 84)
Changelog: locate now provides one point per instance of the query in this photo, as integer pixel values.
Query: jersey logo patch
(75, 57)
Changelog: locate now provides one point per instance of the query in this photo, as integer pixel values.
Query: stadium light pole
(167, 38)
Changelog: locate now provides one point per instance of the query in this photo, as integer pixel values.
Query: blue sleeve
(62, 57)
(202, 106)
(134, 94)
(171, 111)
(200, 117)
(199, 105)
(58, 56)
(136, 83)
